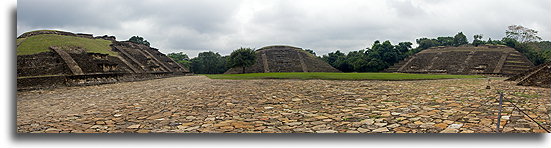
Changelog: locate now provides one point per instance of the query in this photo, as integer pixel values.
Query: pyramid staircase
(515, 64)
(396, 67)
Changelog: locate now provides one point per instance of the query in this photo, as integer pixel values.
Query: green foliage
(139, 40)
(376, 58)
(529, 49)
(425, 43)
(383, 55)
(42, 42)
(404, 47)
(181, 58)
(340, 76)
(478, 40)
(242, 57)
(544, 45)
(460, 39)
(529, 96)
(445, 41)
(208, 63)
(310, 51)
(337, 59)
(547, 55)
(494, 42)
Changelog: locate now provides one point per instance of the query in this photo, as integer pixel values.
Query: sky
(194, 26)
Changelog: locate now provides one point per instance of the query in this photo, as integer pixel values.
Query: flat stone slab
(197, 104)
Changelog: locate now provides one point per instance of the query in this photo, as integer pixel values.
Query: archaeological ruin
(48, 58)
(539, 76)
(284, 59)
(484, 60)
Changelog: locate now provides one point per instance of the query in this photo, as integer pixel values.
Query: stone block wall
(47, 63)
(281, 60)
(493, 60)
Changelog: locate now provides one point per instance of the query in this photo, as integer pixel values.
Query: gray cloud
(193, 26)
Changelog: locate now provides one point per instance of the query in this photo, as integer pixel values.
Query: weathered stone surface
(75, 66)
(326, 131)
(537, 76)
(196, 104)
(284, 59)
(379, 130)
(484, 59)
(134, 126)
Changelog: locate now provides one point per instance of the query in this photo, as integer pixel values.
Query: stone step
(514, 71)
(518, 63)
(71, 63)
(516, 67)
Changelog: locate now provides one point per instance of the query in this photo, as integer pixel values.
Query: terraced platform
(284, 59)
(49, 59)
(484, 59)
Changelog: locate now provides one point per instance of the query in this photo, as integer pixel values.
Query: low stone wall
(49, 82)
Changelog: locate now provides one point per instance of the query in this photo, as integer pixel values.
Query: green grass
(340, 76)
(530, 96)
(41, 43)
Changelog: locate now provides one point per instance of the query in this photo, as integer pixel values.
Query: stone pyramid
(284, 59)
(484, 59)
(50, 58)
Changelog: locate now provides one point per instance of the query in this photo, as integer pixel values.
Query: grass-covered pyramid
(49, 58)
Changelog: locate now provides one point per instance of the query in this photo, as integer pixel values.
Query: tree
(242, 57)
(310, 51)
(139, 40)
(358, 60)
(478, 40)
(208, 63)
(404, 47)
(181, 58)
(522, 34)
(337, 59)
(445, 41)
(460, 39)
(425, 43)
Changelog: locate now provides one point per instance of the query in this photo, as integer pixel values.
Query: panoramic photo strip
(278, 66)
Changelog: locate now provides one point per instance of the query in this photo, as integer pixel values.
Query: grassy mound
(41, 43)
(341, 76)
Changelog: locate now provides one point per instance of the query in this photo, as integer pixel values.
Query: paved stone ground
(196, 104)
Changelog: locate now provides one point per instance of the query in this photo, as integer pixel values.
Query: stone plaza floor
(197, 104)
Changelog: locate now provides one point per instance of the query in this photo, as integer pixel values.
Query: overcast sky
(193, 26)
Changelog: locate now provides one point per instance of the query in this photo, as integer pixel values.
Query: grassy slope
(41, 43)
(340, 76)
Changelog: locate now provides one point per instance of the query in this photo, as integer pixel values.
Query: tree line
(380, 55)
(213, 63)
(383, 55)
